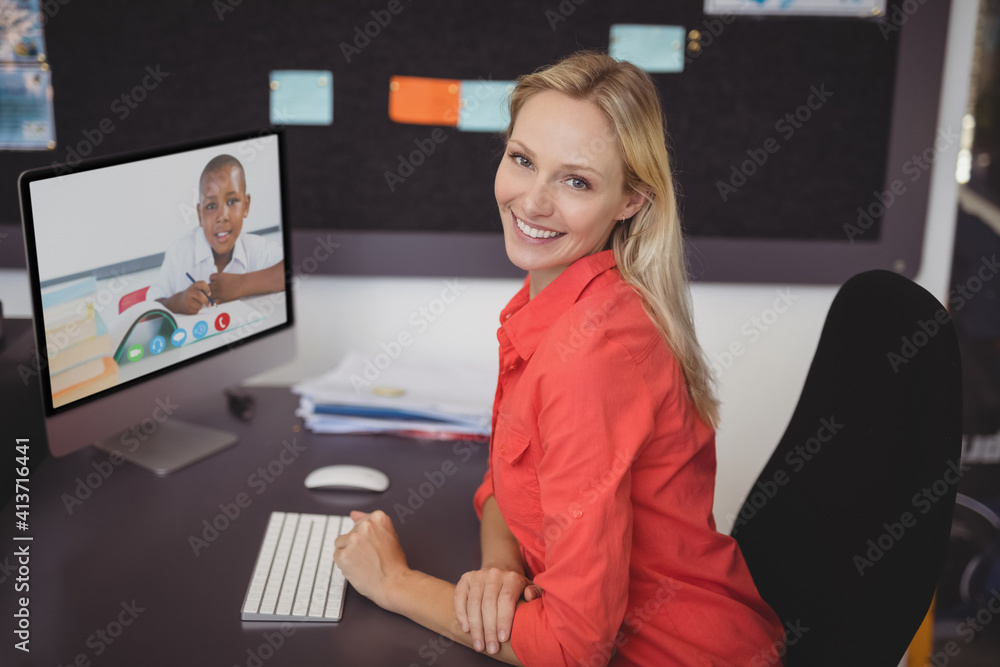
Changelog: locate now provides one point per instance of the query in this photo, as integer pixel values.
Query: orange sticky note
(420, 100)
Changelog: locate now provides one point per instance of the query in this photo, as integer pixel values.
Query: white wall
(759, 390)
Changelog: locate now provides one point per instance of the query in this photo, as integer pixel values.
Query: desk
(129, 543)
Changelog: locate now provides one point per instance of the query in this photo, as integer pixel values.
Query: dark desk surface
(130, 543)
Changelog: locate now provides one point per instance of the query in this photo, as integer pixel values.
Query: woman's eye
(520, 160)
(578, 183)
(232, 202)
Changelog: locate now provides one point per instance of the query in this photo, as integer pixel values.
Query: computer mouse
(347, 477)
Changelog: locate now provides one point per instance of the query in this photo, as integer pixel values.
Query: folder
(440, 398)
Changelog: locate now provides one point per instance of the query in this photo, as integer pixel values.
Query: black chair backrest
(846, 528)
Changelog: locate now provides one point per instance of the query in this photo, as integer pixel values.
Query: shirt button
(503, 449)
(577, 513)
(507, 316)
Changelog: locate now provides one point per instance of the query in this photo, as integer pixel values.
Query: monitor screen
(145, 264)
(155, 275)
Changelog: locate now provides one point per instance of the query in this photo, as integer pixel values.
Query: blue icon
(157, 344)
(178, 337)
(200, 329)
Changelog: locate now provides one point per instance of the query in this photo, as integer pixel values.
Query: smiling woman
(599, 545)
(557, 202)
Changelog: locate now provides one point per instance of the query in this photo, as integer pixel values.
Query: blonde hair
(649, 247)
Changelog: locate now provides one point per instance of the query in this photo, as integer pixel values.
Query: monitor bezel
(28, 228)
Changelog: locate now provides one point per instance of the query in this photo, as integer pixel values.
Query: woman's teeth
(535, 233)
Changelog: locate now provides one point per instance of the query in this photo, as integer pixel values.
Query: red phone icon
(222, 321)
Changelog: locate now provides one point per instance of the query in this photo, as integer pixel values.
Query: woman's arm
(373, 561)
(500, 547)
(485, 599)
(430, 602)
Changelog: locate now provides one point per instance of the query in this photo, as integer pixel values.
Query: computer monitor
(108, 242)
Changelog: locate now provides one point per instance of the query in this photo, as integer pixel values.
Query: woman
(597, 532)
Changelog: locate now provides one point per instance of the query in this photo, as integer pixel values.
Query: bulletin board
(785, 130)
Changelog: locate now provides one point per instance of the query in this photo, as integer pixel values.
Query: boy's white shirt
(192, 254)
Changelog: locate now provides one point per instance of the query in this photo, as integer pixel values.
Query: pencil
(203, 291)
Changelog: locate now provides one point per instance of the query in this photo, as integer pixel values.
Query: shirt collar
(203, 251)
(526, 320)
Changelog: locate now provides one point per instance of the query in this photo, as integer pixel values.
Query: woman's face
(560, 185)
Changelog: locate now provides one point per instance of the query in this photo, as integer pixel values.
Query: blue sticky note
(482, 105)
(654, 48)
(301, 97)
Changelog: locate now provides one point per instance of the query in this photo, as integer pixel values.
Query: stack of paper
(420, 399)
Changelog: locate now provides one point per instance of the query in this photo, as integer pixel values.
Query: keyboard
(295, 578)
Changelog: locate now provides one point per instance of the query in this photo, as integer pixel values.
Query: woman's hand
(371, 557)
(485, 601)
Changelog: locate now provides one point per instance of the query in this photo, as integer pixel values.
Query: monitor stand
(173, 445)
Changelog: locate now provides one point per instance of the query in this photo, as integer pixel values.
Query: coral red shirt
(605, 475)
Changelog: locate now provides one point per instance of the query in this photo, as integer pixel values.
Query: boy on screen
(215, 263)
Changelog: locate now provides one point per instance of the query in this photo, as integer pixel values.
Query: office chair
(846, 528)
